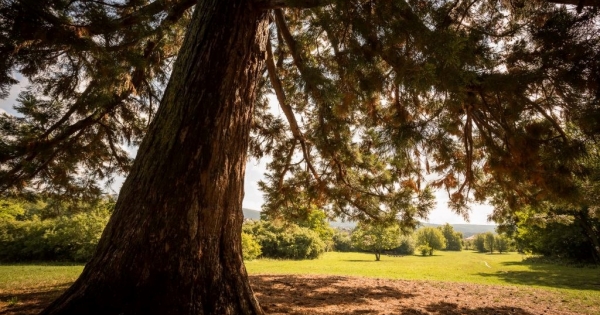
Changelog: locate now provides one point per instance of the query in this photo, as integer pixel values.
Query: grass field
(580, 285)
(573, 283)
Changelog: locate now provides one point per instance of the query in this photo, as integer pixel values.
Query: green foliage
(66, 238)
(502, 243)
(375, 237)
(453, 238)
(424, 250)
(560, 236)
(10, 209)
(407, 245)
(250, 247)
(430, 237)
(489, 241)
(342, 242)
(287, 241)
(479, 243)
(309, 217)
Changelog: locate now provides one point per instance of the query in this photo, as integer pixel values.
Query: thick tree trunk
(173, 244)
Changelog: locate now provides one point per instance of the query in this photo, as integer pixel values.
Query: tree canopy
(489, 96)
(375, 95)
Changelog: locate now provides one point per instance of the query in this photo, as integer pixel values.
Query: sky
(255, 169)
(441, 214)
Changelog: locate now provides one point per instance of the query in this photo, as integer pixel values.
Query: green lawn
(581, 284)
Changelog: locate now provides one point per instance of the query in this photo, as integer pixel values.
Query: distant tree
(502, 243)
(342, 241)
(376, 237)
(407, 245)
(479, 243)
(453, 238)
(431, 237)
(490, 241)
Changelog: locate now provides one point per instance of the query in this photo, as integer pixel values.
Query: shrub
(424, 250)
(66, 238)
(250, 247)
(287, 241)
(407, 245)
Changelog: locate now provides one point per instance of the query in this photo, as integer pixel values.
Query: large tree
(375, 94)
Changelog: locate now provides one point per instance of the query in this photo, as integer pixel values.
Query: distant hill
(251, 214)
(467, 229)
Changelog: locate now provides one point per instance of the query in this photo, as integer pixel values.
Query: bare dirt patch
(352, 295)
(293, 294)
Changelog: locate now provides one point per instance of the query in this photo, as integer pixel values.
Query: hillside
(251, 214)
(468, 229)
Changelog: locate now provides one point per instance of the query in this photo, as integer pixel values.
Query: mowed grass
(579, 286)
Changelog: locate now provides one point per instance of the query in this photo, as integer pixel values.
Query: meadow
(25, 288)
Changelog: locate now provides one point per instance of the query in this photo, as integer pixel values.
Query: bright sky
(255, 170)
(440, 215)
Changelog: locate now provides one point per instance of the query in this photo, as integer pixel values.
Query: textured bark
(173, 245)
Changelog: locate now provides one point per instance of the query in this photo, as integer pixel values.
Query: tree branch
(298, 4)
(287, 110)
(579, 3)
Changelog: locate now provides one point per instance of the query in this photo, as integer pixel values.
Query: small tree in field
(490, 241)
(376, 237)
(453, 238)
(431, 237)
(479, 243)
(502, 243)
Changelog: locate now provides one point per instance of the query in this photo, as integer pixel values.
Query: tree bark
(173, 245)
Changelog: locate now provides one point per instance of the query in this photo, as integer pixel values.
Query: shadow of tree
(285, 294)
(31, 302)
(549, 276)
(453, 309)
(298, 295)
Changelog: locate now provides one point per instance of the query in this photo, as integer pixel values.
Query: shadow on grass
(286, 294)
(454, 309)
(549, 275)
(33, 301)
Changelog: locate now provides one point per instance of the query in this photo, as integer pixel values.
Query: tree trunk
(173, 245)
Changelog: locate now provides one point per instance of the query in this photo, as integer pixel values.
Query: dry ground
(353, 295)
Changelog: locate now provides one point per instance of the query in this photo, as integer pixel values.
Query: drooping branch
(549, 118)
(174, 11)
(288, 111)
(298, 4)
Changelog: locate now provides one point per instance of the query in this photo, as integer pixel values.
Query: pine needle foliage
(374, 96)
